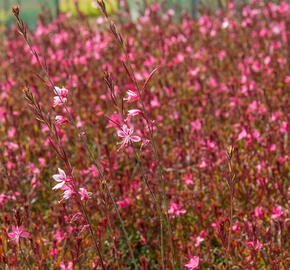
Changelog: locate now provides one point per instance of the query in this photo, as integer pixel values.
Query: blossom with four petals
(17, 232)
(126, 133)
(61, 178)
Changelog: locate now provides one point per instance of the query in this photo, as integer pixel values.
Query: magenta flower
(126, 133)
(175, 209)
(125, 202)
(61, 178)
(255, 245)
(64, 267)
(132, 96)
(17, 232)
(278, 212)
(85, 195)
(193, 263)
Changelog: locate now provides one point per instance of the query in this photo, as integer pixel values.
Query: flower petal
(58, 186)
(24, 234)
(125, 128)
(57, 177)
(135, 138)
(11, 235)
(121, 133)
(62, 173)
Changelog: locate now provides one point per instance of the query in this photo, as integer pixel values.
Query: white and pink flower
(131, 96)
(61, 178)
(126, 134)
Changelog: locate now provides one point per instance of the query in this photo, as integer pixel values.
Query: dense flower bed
(207, 127)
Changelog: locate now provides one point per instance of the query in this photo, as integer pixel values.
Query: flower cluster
(222, 80)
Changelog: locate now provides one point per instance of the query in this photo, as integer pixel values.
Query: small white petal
(58, 186)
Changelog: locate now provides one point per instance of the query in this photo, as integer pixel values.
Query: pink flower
(175, 209)
(85, 195)
(76, 217)
(126, 133)
(193, 263)
(259, 212)
(187, 178)
(62, 92)
(17, 232)
(58, 102)
(256, 245)
(60, 120)
(125, 202)
(61, 178)
(135, 112)
(196, 125)
(198, 240)
(203, 164)
(243, 135)
(59, 236)
(61, 96)
(68, 192)
(64, 267)
(132, 96)
(278, 212)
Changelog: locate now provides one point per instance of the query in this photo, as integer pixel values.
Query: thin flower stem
(84, 143)
(83, 209)
(157, 206)
(230, 182)
(23, 255)
(230, 232)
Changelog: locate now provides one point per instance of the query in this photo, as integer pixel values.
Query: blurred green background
(31, 8)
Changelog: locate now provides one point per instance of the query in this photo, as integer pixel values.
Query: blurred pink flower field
(148, 144)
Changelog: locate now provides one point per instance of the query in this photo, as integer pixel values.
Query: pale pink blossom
(175, 209)
(61, 178)
(135, 112)
(59, 236)
(68, 192)
(126, 133)
(132, 96)
(259, 212)
(196, 125)
(193, 263)
(198, 240)
(187, 178)
(17, 232)
(64, 267)
(62, 92)
(58, 102)
(61, 96)
(60, 120)
(85, 195)
(242, 135)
